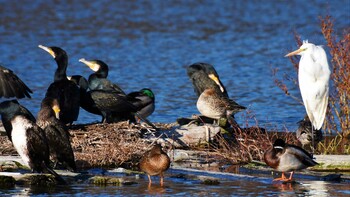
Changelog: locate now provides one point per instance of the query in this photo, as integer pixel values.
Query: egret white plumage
(313, 76)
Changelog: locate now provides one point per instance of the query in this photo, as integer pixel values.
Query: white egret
(313, 76)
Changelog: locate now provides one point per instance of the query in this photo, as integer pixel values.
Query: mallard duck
(304, 133)
(65, 91)
(57, 135)
(213, 105)
(27, 137)
(155, 162)
(144, 101)
(11, 85)
(204, 76)
(285, 157)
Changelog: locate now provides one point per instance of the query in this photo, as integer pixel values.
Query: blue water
(150, 44)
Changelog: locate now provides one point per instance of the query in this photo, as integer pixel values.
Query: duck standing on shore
(304, 133)
(155, 162)
(285, 157)
(215, 106)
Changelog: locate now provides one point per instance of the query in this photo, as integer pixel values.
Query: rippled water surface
(150, 44)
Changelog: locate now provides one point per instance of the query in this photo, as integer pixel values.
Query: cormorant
(65, 91)
(98, 80)
(204, 76)
(57, 135)
(28, 138)
(11, 85)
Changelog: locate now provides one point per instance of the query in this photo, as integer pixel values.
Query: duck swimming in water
(285, 157)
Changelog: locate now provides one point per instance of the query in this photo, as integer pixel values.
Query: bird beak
(214, 78)
(49, 50)
(91, 64)
(57, 110)
(69, 78)
(296, 52)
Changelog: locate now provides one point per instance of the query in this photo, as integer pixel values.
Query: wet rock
(44, 180)
(108, 180)
(7, 181)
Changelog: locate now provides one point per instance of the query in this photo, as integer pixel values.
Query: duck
(155, 162)
(27, 137)
(98, 80)
(57, 135)
(304, 133)
(11, 85)
(144, 101)
(204, 76)
(215, 106)
(62, 89)
(285, 157)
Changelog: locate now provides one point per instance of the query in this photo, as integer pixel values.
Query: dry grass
(111, 145)
(249, 144)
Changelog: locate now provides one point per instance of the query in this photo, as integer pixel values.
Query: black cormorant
(204, 76)
(11, 85)
(57, 135)
(28, 138)
(98, 80)
(65, 91)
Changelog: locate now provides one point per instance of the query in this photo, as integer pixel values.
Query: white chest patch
(19, 137)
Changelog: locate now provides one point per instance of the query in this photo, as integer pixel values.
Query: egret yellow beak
(296, 52)
(48, 49)
(216, 80)
(91, 64)
(57, 110)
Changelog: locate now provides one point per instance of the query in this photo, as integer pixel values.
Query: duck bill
(216, 80)
(296, 52)
(48, 49)
(91, 64)
(57, 110)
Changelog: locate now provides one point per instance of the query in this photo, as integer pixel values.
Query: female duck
(155, 162)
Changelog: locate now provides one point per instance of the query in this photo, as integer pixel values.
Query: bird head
(306, 46)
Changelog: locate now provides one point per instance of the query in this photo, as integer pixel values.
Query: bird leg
(149, 179)
(161, 179)
(291, 176)
(283, 178)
